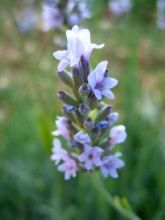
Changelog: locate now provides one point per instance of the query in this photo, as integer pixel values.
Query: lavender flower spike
(117, 135)
(111, 164)
(58, 153)
(69, 167)
(82, 138)
(91, 157)
(78, 44)
(62, 127)
(87, 125)
(100, 83)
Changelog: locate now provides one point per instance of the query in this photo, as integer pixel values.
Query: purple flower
(91, 157)
(110, 164)
(78, 44)
(117, 135)
(161, 14)
(119, 7)
(62, 127)
(51, 16)
(82, 138)
(100, 83)
(113, 117)
(69, 167)
(58, 153)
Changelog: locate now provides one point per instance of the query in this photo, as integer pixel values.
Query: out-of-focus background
(134, 35)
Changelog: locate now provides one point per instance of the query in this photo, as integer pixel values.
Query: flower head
(78, 44)
(110, 164)
(58, 153)
(118, 135)
(82, 138)
(69, 167)
(100, 83)
(91, 157)
(62, 127)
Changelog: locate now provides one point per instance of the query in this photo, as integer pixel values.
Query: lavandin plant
(87, 124)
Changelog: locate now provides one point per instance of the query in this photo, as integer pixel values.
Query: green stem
(128, 214)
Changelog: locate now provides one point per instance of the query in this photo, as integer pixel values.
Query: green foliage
(144, 10)
(30, 187)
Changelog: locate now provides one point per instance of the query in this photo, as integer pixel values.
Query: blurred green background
(30, 186)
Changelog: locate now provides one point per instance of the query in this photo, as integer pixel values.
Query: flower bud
(91, 100)
(77, 77)
(66, 98)
(117, 135)
(69, 110)
(102, 124)
(84, 109)
(88, 124)
(84, 89)
(113, 117)
(66, 78)
(84, 68)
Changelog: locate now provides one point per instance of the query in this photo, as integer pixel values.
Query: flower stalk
(100, 188)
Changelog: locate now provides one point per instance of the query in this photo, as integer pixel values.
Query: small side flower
(62, 127)
(118, 135)
(91, 157)
(69, 167)
(101, 83)
(58, 153)
(110, 165)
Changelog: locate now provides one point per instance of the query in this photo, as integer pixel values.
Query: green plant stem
(128, 214)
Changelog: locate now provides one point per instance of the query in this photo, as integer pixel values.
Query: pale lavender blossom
(112, 118)
(118, 135)
(110, 164)
(58, 153)
(100, 83)
(119, 7)
(62, 127)
(51, 16)
(69, 167)
(161, 14)
(78, 44)
(91, 157)
(82, 138)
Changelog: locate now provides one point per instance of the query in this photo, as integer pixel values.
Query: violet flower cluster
(87, 125)
(56, 13)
